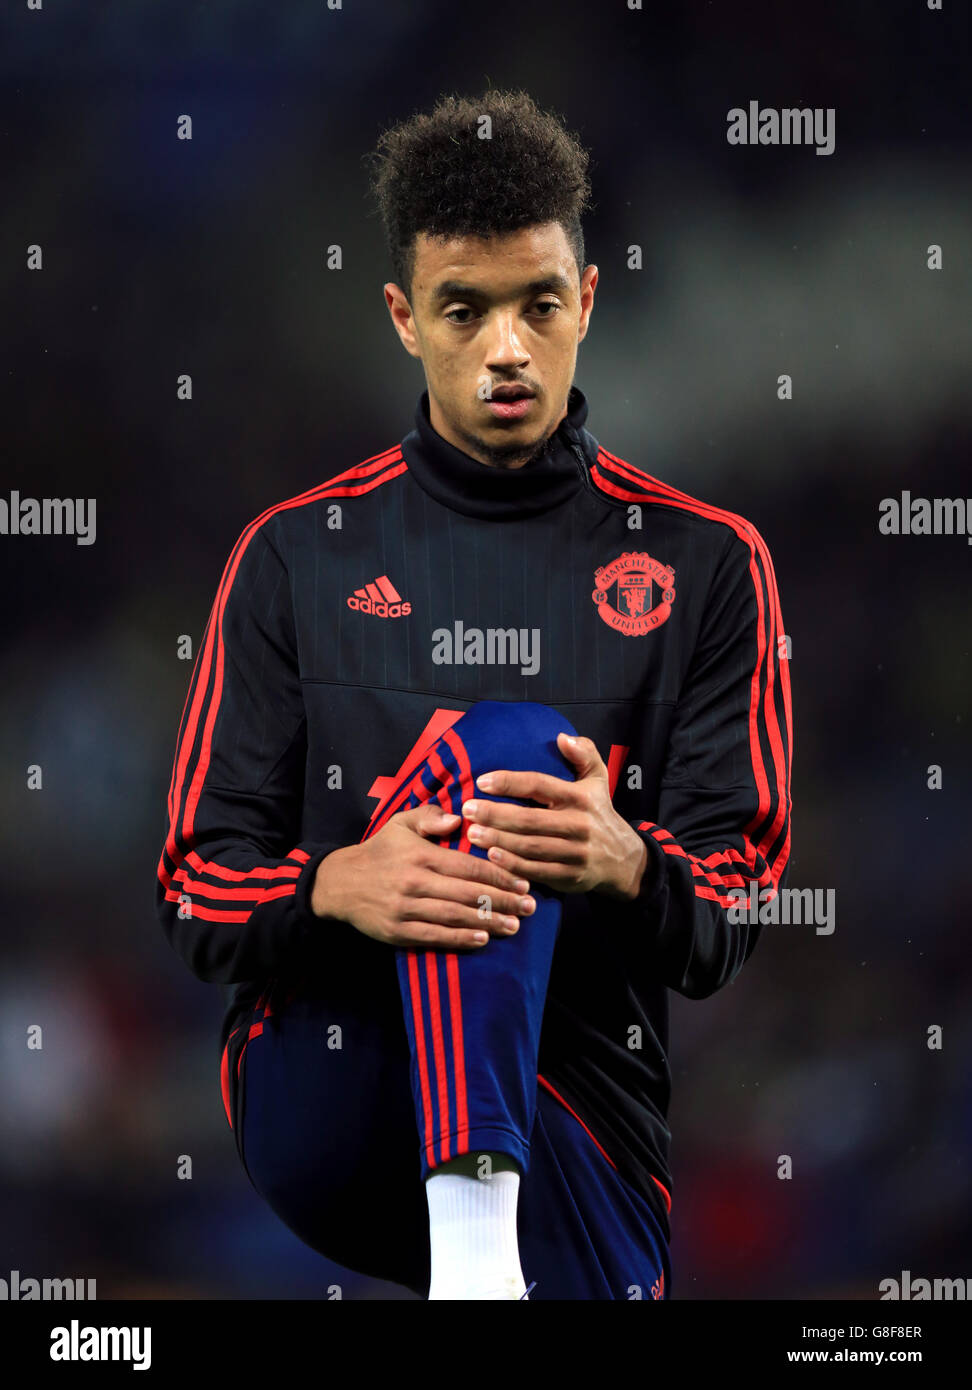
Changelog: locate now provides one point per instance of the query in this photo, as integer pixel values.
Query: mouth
(510, 402)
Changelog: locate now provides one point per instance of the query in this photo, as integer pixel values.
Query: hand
(399, 888)
(575, 841)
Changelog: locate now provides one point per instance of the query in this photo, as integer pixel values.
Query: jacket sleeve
(234, 879)
(724, 801)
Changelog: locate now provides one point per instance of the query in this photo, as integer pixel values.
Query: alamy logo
(812, 906)
(926, 516)
(914, 1290)
(381, 598)
(76, 1343)
(489, 646)
(18, 1290)
(624, 593)
(792, 125)
(49, 516)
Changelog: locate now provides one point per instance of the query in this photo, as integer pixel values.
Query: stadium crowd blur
(163, 257)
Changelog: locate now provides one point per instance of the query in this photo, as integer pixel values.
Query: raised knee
(522, 734)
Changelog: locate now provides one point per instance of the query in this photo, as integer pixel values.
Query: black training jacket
(334, 650)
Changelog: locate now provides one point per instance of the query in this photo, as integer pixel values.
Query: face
(490, 315)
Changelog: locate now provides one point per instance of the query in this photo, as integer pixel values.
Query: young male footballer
(487, 735)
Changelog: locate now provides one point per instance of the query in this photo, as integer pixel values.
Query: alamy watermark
(49, 516)
(914, 1290)
(490, 646)
(22, 1290)
(790, 125)
(926, 516)
(77, 1343)
(797, 906)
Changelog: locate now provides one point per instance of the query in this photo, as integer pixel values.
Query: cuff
(303, 913)
(654, 879)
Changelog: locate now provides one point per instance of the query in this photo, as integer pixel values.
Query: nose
(505, 350)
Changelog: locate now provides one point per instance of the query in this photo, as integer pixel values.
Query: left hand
(574, 841)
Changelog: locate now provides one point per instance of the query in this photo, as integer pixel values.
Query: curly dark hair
(434, 173)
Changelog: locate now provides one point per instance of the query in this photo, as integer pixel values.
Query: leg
(473, 1019)
(327, 1134)
(338, 1164)
(584, 1233)
(328, 1137)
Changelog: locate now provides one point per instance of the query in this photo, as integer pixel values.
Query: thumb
(582, 754)
(434, 818)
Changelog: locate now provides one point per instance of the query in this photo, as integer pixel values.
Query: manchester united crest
(634, 593)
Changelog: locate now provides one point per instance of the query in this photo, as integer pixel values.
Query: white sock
(472, 1229)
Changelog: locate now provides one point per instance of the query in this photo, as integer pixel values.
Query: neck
(457, 479)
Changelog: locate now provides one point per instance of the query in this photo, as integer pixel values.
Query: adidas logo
(381, 598)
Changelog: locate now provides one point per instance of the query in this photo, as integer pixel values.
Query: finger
(529, 786)
(452, 863)
(479, 896)
(428, 935)
(524, 820)
(544, 850)
(445, 913)
(581, 752)
(562, 877)
(435, 821)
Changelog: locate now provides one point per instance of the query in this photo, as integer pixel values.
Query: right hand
(399, 888)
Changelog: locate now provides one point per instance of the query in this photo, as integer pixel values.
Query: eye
(547, 304)
(452, 312)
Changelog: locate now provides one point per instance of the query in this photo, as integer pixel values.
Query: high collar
(461, 482)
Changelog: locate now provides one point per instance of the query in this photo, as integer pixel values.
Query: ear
(587, 287)
(401, 316)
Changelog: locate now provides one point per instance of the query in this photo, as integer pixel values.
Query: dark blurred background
(164, 256)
